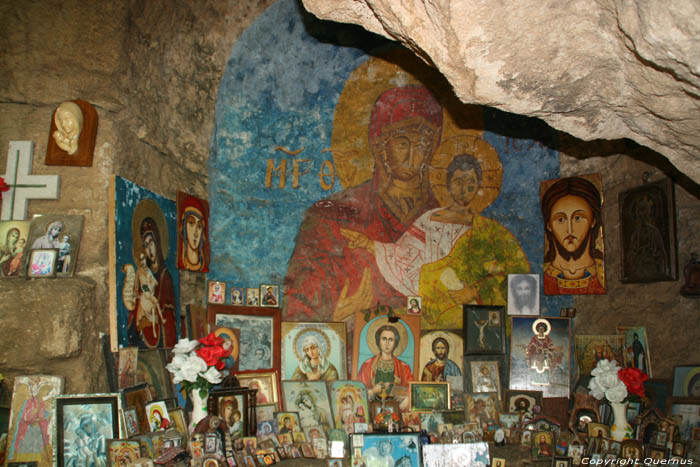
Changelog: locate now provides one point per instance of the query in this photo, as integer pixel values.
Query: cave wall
(152, 72)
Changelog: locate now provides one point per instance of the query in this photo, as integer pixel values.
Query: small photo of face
(414, 305)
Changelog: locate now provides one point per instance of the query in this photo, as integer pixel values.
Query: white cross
(24, 186)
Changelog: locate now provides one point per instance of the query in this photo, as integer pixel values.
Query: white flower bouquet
(197, 363)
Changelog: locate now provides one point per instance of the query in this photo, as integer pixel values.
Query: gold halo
(484, 153)
(400, 327)
(234, 341)
(352, 157)
(541, 320)
(315, 331)
(148, 208)
(156, 408)
(688, 378)
(456, 347)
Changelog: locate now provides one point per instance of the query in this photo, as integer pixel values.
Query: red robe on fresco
(322, 265)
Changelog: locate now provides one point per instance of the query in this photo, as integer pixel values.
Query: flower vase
(620, 429)
(199, 407)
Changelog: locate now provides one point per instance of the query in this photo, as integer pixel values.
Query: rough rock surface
(603, 69)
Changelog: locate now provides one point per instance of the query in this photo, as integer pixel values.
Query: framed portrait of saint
(589, 349)
(31, 418)
(484, 376)
(260, 334)
(523, 294)
(144, 298)
(237, 296)
(84, 422)
(310, 400)
(150, 368)
(216, 292)
(314, 351)
(385, 352)
(484, 329)
(539, 356)
(192, 233)
(482, 408)
(13, 247)
(62, 232)
(232, 338)
(440, 356)
(402, 449)
(270, 295)
(574, 258)
(636, 349)
(264, 383)
(235, 408)
(349, 404)
(648, 233)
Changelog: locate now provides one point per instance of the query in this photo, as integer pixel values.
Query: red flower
(3, 186)
(212, 339)
(212, 356)
(634, 380)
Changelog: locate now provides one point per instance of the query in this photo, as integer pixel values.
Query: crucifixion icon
(23, 185)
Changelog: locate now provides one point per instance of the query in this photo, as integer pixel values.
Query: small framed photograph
(131, 422)
(179, 422)
(631, 449)
(122, 451)
(561, 461)
(387, 449)
(483, 376)
(576, 453)
(542, 444)
(252, 297)
(484, 329)
(435, 455)
(137, 397)
(656, 453)
(265, 383)
(307, 450)
(526, 438)
(158, 417)
(235, 408)
(680, 448)
(288, 422)
(42, 262)
(687, 412)
(429, 396)
(217, 292)
(482, 408)
(414, 305)
(523, 294)
(270, 295)
(498, 462)
(237, 296)
(526, 403)
(73, 414)
(597, 430)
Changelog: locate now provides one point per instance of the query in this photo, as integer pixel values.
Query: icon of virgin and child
(413, 229)
(148, 293)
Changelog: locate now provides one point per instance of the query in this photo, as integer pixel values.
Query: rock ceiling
(604, 69)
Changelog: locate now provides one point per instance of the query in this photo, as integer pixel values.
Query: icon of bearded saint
(573, 262)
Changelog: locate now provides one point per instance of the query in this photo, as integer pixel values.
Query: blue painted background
(280, 87)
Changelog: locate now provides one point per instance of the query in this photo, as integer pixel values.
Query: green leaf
(203, 393)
